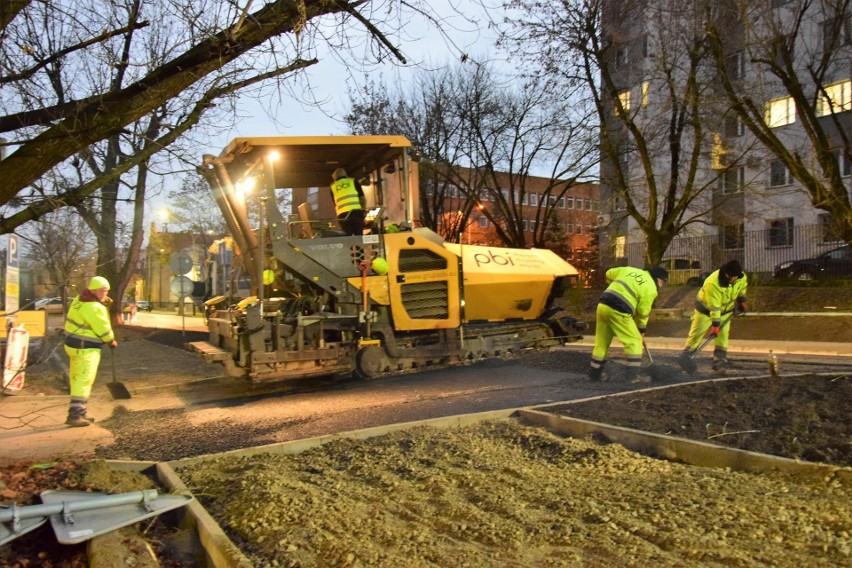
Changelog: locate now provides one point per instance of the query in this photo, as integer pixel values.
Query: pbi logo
(638, 276)
(499, 259)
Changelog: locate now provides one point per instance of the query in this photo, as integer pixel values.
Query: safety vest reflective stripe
(76, 324)
(631, 298)
(89, 321)
(346, 197)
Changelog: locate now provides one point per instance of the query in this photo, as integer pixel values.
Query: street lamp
(164, 215)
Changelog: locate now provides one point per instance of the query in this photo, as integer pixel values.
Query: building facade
(758, 97)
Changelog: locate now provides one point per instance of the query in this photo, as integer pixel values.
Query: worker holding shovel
(87, 330)
(623, 312)
(723, 292)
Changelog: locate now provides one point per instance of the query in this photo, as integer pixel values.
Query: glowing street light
(164, 216)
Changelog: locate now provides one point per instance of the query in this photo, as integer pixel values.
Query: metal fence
(759, 252)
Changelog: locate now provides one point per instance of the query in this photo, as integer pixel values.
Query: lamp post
(271, 158)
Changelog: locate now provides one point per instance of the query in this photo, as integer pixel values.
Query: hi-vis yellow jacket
(89, 323)
(346, 196)
(631, 291)
(717, 296)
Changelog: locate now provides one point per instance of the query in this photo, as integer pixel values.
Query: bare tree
(481, 139)
(654, 165)
(93, 93)
(193, 210)
(805, 48)
(59, 246)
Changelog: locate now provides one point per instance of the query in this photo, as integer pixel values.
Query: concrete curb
(744, 346)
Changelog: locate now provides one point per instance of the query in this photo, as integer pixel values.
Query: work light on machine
(243, 188)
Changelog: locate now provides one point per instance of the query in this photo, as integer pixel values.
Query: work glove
(113, 344)
(742, 307)
(107, 301)
(714, 330)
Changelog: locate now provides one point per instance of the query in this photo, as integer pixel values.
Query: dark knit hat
(733, 268)
(660, 273)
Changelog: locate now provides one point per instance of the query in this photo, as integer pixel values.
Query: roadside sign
(181, 287)
(34, 322)
(17, 347)
(12, 277)
(180, 263)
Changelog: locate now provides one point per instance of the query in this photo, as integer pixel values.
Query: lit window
(645, 86)
(619, 246)
(780, 112)
(836, 98)
(624, 99)
(718, 153)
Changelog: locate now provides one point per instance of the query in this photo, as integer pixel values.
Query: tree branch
(107, 115)
(76, 196)
(20, 118)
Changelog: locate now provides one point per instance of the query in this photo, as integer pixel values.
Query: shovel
(652, 369)
(687, 361)
(116, 389)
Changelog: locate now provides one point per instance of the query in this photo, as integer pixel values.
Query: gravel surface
(503, 494)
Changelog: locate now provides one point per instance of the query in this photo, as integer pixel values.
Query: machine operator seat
(312, 228)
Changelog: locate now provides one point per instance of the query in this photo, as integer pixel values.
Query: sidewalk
(32, 424)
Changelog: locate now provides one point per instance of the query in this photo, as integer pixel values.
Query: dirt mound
(803, 417)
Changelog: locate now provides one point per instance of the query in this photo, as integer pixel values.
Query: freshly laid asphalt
(33, 426)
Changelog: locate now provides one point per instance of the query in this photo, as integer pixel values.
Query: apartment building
(745, 108)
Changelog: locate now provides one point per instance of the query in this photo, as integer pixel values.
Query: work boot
(721, 365)
(79, 422)
(595, 374)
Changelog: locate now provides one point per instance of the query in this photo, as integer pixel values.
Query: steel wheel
(370, 362)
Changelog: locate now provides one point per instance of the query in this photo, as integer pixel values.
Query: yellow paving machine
(397, 297)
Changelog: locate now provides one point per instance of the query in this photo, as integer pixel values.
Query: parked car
(143, 306)
(50, 305)
(836, 263)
